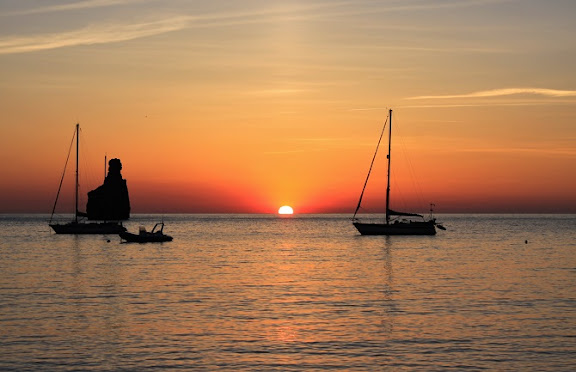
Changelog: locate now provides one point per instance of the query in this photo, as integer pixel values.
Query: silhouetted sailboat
(393, 224)
(78, 226)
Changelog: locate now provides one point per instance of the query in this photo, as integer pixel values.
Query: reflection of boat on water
(79, 225)
(155, 236)
(395, 223)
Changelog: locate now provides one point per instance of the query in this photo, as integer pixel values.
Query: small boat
(395, 222)
(155, 236)
(78, 225)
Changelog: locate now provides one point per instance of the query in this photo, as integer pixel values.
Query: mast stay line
(370, 169)
(63, 174)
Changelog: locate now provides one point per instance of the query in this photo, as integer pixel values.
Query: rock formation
(110, 202)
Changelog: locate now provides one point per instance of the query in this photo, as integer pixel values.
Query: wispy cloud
(320, 144)
(369, 109)
(506, 92)
(427, 49)
(301, 10)
(557, 151)
(107, 33)
(277, 92)
(90, 35)
(320, 139)
(289, 152)
(463, 105)
(87, 4)
(560, 146)
(121, 31)
(492, 104)
(416, 6)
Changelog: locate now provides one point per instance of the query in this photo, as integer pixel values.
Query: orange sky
(253, 105)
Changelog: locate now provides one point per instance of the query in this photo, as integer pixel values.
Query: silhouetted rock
(110, 201)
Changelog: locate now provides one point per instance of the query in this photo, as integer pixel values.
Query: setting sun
(285, 210)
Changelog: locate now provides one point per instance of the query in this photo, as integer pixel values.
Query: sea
(303, 293)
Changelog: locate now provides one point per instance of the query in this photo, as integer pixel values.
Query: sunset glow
(239, 106)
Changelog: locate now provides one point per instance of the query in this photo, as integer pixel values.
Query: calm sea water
(261, 293)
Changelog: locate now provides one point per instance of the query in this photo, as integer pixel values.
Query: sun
(285, 209)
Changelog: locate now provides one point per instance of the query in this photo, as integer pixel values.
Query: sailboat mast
(77, 151)
(388, 184)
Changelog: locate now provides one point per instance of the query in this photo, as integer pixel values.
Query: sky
(243, 106)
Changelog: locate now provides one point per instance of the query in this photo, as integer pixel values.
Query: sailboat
(79, 226)
(394, 223)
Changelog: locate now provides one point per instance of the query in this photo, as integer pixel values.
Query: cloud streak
(87, 4)
(559, 151)
(91, 35)
(506, 92)
(108, 33)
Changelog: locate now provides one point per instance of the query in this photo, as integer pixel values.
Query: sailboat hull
(88, 228)
(400, 228)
